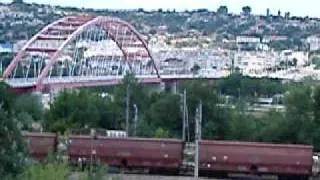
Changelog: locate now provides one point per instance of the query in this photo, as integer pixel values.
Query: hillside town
(275, 45)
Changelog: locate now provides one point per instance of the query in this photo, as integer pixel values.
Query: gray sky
(296, 7)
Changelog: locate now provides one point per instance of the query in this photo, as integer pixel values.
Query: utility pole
(135, 118)
(1, 66)
(93, 151)
(198, 120)
(127, 108)
(187, 122)
(184, 115)
(185, 119)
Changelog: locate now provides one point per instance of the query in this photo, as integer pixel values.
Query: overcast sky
(296, 7)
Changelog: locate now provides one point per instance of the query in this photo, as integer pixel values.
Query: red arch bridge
(80, 51)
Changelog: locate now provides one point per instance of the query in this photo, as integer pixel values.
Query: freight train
(216, 158)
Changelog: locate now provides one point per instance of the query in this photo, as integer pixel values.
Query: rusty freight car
(287, 161)
(155, 155)
(40, 145)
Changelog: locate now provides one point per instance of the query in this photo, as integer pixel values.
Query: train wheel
(124, 165)
(293, 177)
(221, 175)
(122, 170)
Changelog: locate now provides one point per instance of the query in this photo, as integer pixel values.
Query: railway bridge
(84, 51)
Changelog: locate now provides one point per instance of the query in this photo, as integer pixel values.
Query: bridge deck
(31, 82)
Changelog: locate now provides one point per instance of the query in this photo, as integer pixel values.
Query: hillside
(19, 21)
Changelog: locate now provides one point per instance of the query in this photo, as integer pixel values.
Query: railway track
(134, 176)
(76, 176)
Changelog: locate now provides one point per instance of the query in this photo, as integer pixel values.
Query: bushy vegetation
(160, 116)
(54, 170)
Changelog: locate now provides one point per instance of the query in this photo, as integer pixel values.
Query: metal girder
(52, 37)
(127, 37)
(45, 50)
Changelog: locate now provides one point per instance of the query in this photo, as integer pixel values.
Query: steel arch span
(82, 46)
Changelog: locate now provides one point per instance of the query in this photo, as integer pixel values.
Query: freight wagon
(286, 161)
(160, 155)
(216, 158)
(40, 144)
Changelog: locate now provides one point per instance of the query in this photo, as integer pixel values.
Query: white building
(247, 39)
(268, 39)
(184, 59)
(158, 43)
(255, 62)
(301, 57)
(6, 48)
(314, 42)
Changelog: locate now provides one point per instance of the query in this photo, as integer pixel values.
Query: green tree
(165, 113)
(316, 107)
(299, 115)
(138, 95)
(316, 61)
(222, 10)
(106, 110)
(5, 59)
(272, 128)
(6, 97)
(238, 85)
(12, 146)
(161, 133)
(73, 110)
(203, 91)
(246, 10)
(209, 130)
(30, 104)
(48, 171)
(26, 120)
(242, 126)
(145, 128)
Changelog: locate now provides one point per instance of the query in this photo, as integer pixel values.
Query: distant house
(247, 39)
(302, 57)
(162, 30)
(254, 62)
(173, 65)
(6, 47)
(314, 42)
(268, 39)
(247, 42)
(264, 101)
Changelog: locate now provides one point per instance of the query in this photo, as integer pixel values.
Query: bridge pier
(174, 87)
(168, 86)
(171, 86)
(158, 87)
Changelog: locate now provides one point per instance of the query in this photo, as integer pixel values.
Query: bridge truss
(80, 50)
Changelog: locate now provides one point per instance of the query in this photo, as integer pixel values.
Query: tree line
(160, 116)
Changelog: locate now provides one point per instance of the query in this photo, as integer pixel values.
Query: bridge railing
(29, 82)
